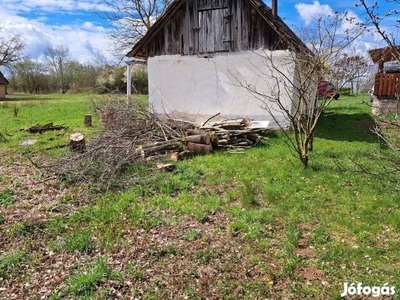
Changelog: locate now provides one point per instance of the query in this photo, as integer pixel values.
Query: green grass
(7, 197)
(84, 283)
(11, 264)
(67, 110)
(222, 225)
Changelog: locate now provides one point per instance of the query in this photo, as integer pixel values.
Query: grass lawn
(248, 225)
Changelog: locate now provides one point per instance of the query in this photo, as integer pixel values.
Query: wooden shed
(387, 80)
(202, 52)
(3, 83)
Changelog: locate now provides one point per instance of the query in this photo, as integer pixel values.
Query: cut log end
(203, 138)
(77, 142)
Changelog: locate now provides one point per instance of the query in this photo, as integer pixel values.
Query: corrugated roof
(3, 80)
(265, 12)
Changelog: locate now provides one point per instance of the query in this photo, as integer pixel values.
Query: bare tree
(347, 64)
(375, 23)
(130, 19)
(387, 126)
(29, 74)
(297, 78)
(11, 48)
(56, 58)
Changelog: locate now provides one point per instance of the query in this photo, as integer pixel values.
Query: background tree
(30, 76)
(350, 69)
(130, 19)
(11, 48)
(85, 77)
(111, 79)
(386, 25)
(56, 58)
(326, 42)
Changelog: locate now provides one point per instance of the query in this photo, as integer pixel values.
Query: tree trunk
(304, 160)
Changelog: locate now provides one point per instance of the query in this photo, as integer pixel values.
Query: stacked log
(198, 142)
(235, 134)
(222, 135)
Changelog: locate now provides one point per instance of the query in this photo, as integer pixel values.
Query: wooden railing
(387, 84)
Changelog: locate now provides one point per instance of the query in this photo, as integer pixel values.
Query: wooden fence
(387, 84)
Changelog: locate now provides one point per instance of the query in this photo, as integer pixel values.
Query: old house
(3, 83)
(386, 88)
(203, 53)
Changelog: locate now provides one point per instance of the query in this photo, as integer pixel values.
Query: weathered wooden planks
(209, 26)
(387, 84)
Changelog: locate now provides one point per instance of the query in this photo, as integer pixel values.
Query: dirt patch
(310, 273)
(303, 242)
(306, 227)
(305, 253)
(36, 197)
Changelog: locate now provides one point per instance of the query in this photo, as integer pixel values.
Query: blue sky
(72, 23)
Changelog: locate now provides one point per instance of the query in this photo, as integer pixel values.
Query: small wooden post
(87, 120)
(77, 142)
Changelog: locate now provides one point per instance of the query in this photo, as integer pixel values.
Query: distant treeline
(32, 77)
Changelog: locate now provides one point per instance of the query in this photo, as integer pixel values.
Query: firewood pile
(235, 134)
(138, 135)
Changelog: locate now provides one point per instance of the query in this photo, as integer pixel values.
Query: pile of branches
(133, 134)
(129, 135)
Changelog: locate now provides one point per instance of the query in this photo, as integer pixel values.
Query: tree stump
(87, 120)
(77, 142)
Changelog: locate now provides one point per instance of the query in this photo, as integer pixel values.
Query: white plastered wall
(196, 88)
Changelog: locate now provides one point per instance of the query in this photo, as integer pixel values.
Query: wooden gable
(3, 80)
(385, 54)
(196, 27)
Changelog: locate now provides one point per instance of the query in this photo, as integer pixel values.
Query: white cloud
(80, 35)
(49, 5)
(311, 12)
